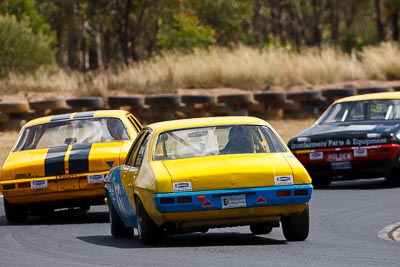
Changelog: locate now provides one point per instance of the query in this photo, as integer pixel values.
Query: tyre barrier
(151, 108)
(86, 103)
(378, 89)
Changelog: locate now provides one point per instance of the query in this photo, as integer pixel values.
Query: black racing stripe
(60, 117)
(85, 114)
(79, 158)
(54, 161)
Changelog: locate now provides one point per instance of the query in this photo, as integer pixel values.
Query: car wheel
(118, 229)
(260, 229)
(296, 227)
(15, 213)
(148, 231)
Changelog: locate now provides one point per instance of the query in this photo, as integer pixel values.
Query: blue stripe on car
(117, 197)
(79, 158)
(54, 161)
(214, 196)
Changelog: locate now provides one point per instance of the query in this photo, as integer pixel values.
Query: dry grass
(242, 67)
(7, 140)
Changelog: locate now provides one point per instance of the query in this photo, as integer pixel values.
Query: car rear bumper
(233, 206)
(361, 162)
(38, 190)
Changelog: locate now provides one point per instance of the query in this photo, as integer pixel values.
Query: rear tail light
(283, 193)
(301, 192)
(184, 199)
(8, 186)
(167, 200)
(24, 185)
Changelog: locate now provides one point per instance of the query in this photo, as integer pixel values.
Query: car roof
(205, 121)
(80, 115)
(385, 95)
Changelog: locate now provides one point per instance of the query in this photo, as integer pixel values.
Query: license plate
(233, 201)
(345, 165)
(39, 184)
(342, 156)
(97, 178)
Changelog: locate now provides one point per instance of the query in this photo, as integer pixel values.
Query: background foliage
(87, 35)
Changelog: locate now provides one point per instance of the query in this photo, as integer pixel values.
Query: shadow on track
(186, 240)
(361, 184)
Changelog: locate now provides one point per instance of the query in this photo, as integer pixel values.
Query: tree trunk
(395, 26)
(379, 24)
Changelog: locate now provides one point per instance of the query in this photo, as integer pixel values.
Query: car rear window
(216, 140)
(367, 110)
(70, 132)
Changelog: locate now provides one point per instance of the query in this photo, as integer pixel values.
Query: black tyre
(148, 231)
(15, 213)
(91, 102)
(335, 93)
(378, 89)
(296, 227)
(163, 100)
(118, 228)
(260, 229)
(305, 96)
(199, 99)
(270, 98)
(53, 104)
(120, 101)
(232, 99)
(14, 108)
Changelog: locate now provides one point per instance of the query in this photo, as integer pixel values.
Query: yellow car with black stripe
(60, 161)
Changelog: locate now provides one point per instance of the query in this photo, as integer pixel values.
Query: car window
(140, 155)
(216, 140)
(374, 109)
(70, 132)
(130, 160)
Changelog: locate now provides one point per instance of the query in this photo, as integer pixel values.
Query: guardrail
(150, 108)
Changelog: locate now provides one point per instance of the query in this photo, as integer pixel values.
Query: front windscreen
(367, 110)
(70, 132)
(216, 140)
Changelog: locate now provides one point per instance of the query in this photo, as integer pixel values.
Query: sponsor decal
(201, 198)
(316, 155)
(360, 153)
(96, 178)
(284, 180)
(182, 186)
(38, 184)
(110, 163)
(342, 156)
(336, 143)
(22, 175)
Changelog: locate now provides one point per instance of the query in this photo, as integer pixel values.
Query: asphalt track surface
(351, 225)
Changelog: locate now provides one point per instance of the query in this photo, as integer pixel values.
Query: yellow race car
(194, 174)
(60, 161)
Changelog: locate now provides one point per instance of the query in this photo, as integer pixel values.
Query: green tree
(21, 50)
(184, 33)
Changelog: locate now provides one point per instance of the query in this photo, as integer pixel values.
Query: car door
(132, 165)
